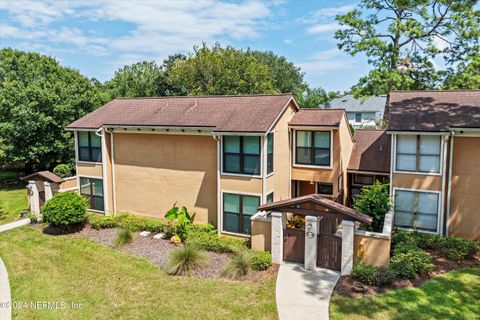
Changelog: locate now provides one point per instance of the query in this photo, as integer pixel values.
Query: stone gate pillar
(48, 190)
(33, 198)
(347, 246)
(311, 231)
(277, 236)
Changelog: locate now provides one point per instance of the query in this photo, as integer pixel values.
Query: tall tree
(141, 79)
(401, 37)
(38, 98)
(312, 97)
(218, 70)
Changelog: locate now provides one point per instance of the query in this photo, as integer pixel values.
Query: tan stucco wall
(464, 217)
(417, 181)
(89, 169)
(372, 250)
(261, 235)
(346, 147)
(240, 184)
(152, 171)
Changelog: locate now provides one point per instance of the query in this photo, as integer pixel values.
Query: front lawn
(110, 284)
(13, 199)
(454, 295)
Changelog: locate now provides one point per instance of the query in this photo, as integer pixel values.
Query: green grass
(13, 199)
(114, 285)
(454, 295)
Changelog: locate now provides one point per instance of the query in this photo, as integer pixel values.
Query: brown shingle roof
(253, 113)
(317, 199)
(318, 117)
(43, 176)
(433, 110)
(371, 151)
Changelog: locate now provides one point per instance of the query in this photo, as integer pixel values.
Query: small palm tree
(184, 260)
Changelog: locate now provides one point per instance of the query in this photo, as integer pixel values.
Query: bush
(65, 209)
(372, 275)
(63, 170)
(260, 260)
(238, 265)
(207, 238)
(410, 264)
(184, 260)
(129, 221)
(124, 236)
(374, 201)
(455, 248)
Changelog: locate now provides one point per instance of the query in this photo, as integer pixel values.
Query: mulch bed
(157, 251)
(349, 287)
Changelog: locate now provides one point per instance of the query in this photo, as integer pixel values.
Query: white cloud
(324, 28)
(333, 11)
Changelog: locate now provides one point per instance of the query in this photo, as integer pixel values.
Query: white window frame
(299, 165)
(394, 155)
(439, 209)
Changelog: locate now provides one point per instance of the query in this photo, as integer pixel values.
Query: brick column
(347, 246)
(33, 198)
(277, 236)
(311, 226)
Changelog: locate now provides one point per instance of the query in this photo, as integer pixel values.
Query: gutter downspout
(264, 168)
(444, 178)
(449, 192)
(101, 133)
(112, 150)
(219, 214)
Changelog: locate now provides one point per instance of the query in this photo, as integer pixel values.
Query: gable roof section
(350, 103)
(433, 110)
(252, 113)
(43, 176)
(317, 199)
(371, 151)
(318, 117)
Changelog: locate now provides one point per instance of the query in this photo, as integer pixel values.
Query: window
(313, 148)
(358, 117)
(237, 211)
(416, 210)
(241, 154)
(89, 147)
(270, 197)
(418, 153)
(325, 188)
(362, 179)
(270, 152)
(93, 190)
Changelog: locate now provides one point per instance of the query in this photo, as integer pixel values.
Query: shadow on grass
(450, 296)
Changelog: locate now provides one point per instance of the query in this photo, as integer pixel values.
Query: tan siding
(372, 250)
(417, 181)
(346, 147)
(240, 184)
(153, 171)
(464, 217)
(89, 169)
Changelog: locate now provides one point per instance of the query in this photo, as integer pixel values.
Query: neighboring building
(435, 174)
(220, 156)
(370, 160)
(361, 112)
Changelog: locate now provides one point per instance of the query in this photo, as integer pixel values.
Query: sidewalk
(13, 225)
(304, 294)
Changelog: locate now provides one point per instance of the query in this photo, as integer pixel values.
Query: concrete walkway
(304, 294)
(13, 225)
(5, 299)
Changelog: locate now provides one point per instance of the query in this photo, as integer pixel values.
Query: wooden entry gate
(294, 245)
(329, 245)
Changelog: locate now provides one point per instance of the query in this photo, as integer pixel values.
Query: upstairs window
(270, 153)
(89, 147)
(241, 154)
(313, 148)
(418, 153)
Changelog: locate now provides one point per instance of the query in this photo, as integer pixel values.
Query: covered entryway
(327, 230)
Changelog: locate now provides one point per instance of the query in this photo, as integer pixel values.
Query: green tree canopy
(401, 37)
(38, 98)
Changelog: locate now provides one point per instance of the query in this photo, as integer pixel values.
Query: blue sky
(98, 37)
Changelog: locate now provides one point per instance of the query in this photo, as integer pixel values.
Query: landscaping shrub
(65, 209)
(238, 266)
(129, 221)
(184, 260)
(63, 170)
(455, 248)
(374, 201)
(372, 275)
(208, 239)
(124, 236)
(260, 260)
(411, 263)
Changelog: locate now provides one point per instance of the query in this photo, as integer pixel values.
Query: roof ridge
(442, 90)
(208, 96)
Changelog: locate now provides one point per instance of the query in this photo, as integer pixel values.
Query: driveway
(304, 294)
